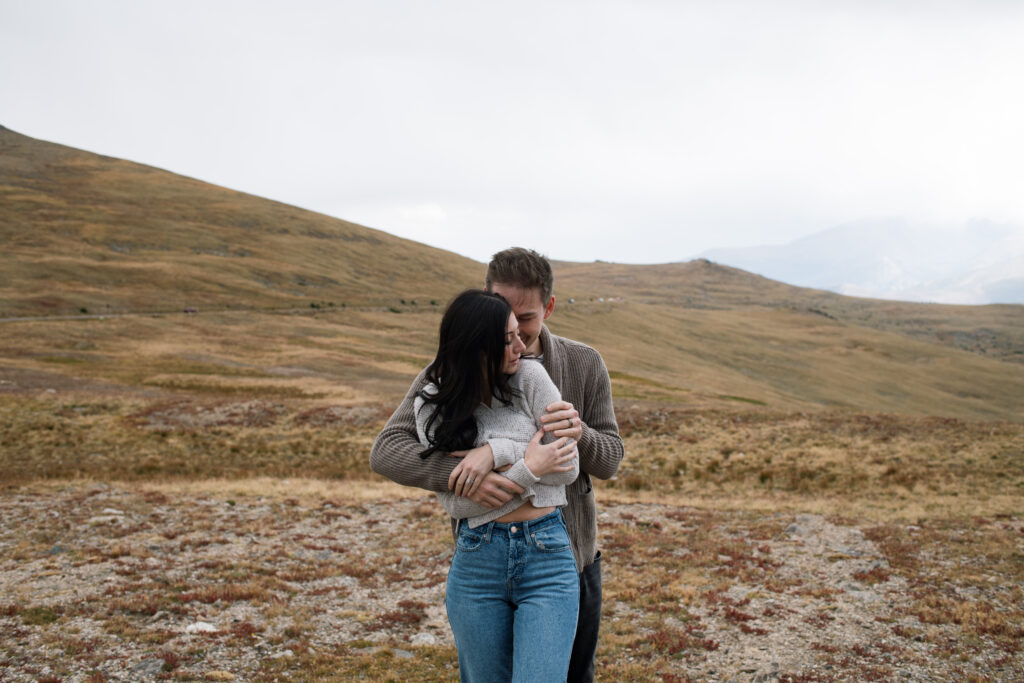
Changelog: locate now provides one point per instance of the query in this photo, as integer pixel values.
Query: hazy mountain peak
(979, 262)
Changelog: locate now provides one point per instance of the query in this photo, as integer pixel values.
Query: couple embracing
(507, 425)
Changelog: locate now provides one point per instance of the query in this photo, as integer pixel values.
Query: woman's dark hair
(470, 355)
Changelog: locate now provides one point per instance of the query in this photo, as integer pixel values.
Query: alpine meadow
(815, 488)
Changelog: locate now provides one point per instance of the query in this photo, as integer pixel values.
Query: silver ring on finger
(469, 482)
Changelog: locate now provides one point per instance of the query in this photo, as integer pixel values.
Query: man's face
(531, 312)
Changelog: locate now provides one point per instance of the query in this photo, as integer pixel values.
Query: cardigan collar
(552, 356)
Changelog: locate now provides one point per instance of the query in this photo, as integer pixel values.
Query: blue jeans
(512, 598)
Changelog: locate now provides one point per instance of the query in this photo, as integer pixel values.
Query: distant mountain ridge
(980, 263)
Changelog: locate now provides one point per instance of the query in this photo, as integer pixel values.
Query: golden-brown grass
(995, 331)
(83, 231)
(89, 234)
(785, 359)
(879, 467)
(303, 491)
(778, 360)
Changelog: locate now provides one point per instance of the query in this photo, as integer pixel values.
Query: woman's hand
(467, 476)
(556, 456)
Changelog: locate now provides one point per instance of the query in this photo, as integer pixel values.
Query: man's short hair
(523, 268)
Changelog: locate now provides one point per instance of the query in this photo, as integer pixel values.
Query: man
(585, 413)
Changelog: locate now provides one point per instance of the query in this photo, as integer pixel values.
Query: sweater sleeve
(600, 446)
(506, 451)
(463, 508)
(396, 451)
(538, 393)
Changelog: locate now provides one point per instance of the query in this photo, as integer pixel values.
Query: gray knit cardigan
(581, 377)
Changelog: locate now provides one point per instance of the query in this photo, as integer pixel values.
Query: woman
(513, 590)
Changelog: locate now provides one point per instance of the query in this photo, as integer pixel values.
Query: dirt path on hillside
(107, 584)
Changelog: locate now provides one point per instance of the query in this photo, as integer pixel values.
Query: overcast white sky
(625, 131)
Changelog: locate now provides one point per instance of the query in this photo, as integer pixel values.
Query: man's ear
(549, 308)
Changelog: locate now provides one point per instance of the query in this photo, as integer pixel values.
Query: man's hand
(495, 490)
(562, 419)
(467, 476)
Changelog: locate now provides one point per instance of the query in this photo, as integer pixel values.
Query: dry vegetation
(739, 545)
(993, 331)
(826, 462)
(308, 580)
(791, 507)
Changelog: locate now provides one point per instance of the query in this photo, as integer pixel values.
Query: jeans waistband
(524, 528)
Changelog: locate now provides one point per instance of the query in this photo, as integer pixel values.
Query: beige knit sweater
(581, 377)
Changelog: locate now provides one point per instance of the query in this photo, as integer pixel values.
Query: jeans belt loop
(487, 534)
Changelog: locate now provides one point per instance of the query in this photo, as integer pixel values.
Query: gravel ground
(100, 583)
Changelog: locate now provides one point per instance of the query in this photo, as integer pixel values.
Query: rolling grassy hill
(300, 305)
(996, 331)
(82, 230)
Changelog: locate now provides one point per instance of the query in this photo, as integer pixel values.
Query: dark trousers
(584, 647)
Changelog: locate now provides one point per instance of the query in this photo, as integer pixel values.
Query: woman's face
(514, 346)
